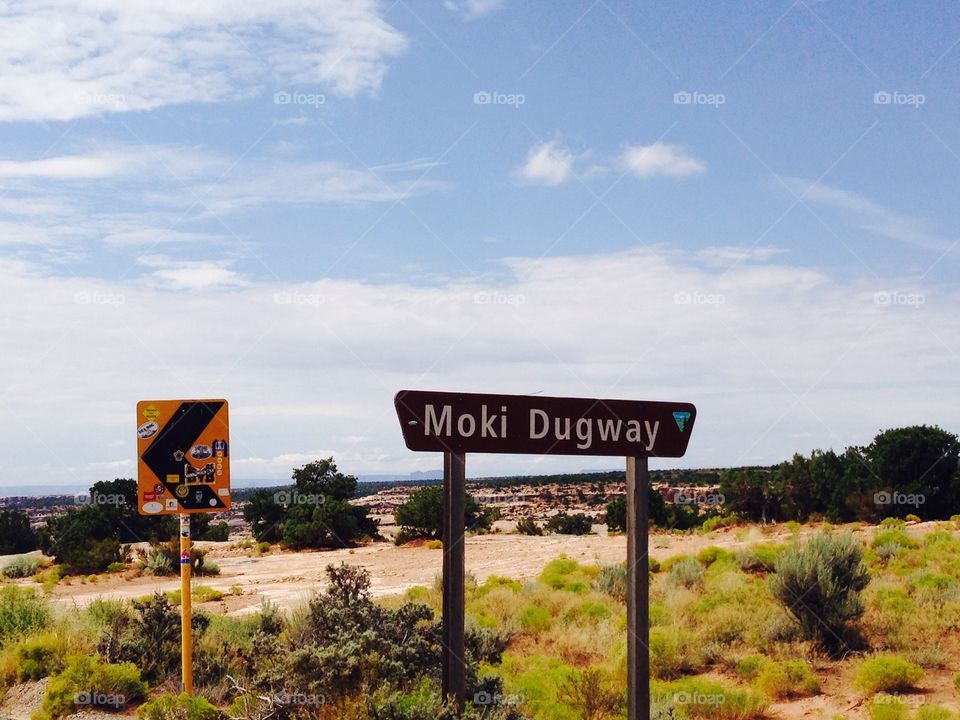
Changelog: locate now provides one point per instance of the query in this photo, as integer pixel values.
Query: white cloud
(872, 215)
(69, 167)
(62, 60)
(660, 159)
(472, 9)
(547, 164)
(190, 274)
(768, 351)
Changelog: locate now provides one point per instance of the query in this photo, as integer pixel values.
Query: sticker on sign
(538, 425)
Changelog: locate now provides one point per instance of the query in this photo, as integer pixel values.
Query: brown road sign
(184, 456)
(537, 425)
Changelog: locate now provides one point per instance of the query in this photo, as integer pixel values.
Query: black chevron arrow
(181, 433)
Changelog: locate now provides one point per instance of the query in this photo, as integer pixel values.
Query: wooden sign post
(458, 423)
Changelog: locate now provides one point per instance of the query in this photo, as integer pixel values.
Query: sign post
(638, 599)
(186, 606)
(183, 468)
(454, 678)
(458, 423)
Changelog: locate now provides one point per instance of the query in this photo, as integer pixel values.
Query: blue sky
(308, 206)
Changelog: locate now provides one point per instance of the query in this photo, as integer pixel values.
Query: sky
(306, 206)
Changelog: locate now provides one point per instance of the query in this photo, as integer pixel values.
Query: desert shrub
(177, 707)
(116, 566)
(893, 536)
(22, 611)
(749, 666)
(89, 681)
(686, 573)
(711, 554)
(937, 588)
(674, 652)
(345, 641)
(207, 568)
(758, 558)
(819, 584)
(148, 637)
(21, 567)
(528, 526)
(887, 707)
(718, 521)
(592, 693)
(612, 581)
(787, 679)
(888, 550)
(156, 561)
(40, 656)
(892, 522)
(566, 574)
(667, 565)
(204, 593)
(912, 518)
(698, 698)
(887, 673)
(573, 524)
(535, 619)
(934, 712)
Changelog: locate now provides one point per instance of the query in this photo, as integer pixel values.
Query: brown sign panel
(537, 425)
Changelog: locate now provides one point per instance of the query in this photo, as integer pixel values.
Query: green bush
(887, 707)
(887, 673)
(575, 524)
(686, 573)
(718, 521)
(88, 681)
(749, 666)
(177, 707)
(934, 712)
(528, 526)
(39, 657)
(565, 574)
(422, 515)
(711, 554)
(21, 567)
(697, 698)
(893, 536)
(912, 518)
(612, 581)
(535, 619)
(787, 679)
(819, 584)
(22, 611)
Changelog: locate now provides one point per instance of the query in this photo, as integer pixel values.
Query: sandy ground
(287, 579)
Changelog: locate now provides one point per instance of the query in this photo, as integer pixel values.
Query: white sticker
(152, 508)
(147, 430)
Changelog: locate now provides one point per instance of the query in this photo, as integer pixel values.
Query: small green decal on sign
(681, 419)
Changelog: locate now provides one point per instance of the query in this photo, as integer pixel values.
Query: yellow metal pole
(186, 609)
